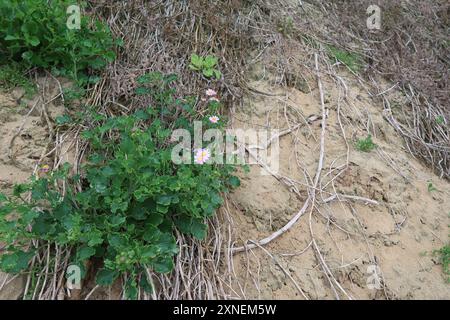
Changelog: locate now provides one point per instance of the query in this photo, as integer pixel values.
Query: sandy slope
(22, 121)
(397, 232)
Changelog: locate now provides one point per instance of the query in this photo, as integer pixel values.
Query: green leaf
(117, 220)
(11, 37)
(192, 67)
(43, 225)
(110, 56)
(198, 229)
(170, 78)
(106, 277)
(175, 199)
(131, 291)
(162, 209)
(217, 74)
(133, 197)
(210, 62)
(97, 63)
(163, 265)
(100, 186)
(40, 189)
(85, 253)
(196, 61)
(208, 73)
(164, 200)
(216, 199)
(87, 43)
(155, 218)
(150, 77)
(95, 238)
(34, 41)
(208, 210)
(119, 42)
(60, 120)
(71, 221)
(93, 79)
(183, 223)
(167, 244)
(19, 189)
(28, 56)
(234, 181)
(117, 241)
(29, 215)
(138, 213)
(149, 252)
(15, 262)
(142, 115)
(145, 284)
(151, 233)
(119, 205)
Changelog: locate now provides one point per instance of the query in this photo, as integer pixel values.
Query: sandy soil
(24, 137)
(395, 233)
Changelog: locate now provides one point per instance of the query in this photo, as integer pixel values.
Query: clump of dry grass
(161, 36)
(412, 50)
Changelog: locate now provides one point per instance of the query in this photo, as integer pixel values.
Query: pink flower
(214, 99)
(214, 119)
(201, 156)
(211, 93)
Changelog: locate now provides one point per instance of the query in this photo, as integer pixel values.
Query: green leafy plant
(431, 187)
(34, 32)
(366, 144)
(444, 254)
(132, 196)
(440, 120)
(352, 60)
(13, 75)
(206, 65)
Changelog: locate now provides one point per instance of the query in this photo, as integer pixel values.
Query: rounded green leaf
(106, 277)
(85, 253)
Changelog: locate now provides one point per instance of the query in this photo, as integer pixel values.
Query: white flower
(201, 156)
(214, 119)
(210, 92)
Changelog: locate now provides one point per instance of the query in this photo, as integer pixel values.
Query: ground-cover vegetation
(35, 34)
(444, 253)
(206, 65)
(132, 196)
(365, 144)
(100, 199)
(124, 206)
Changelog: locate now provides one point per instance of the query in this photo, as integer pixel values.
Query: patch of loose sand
(24, 137)
(396, 236)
